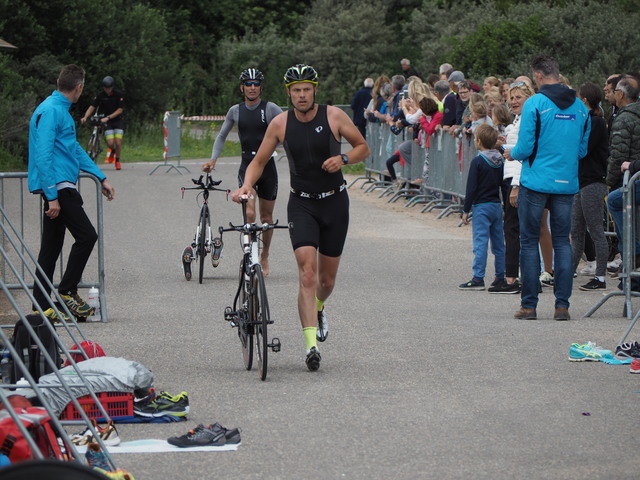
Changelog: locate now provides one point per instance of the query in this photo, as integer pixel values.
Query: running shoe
(589, 269)
(594, 284)
(628, 350)
(160, 405)
(313, 359)
(473, 284)
(589, 352)
(594, 347)
(323, 326)
(200, 436)
(217, 250)
(187, 256)
(77, 306)
(546, 279)
(231, 435)
(635, 366)
(52, 316)
(504, 287)
(118, 166)
(95, 457)
(108, 435)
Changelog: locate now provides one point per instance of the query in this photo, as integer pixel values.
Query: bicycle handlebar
(208, 184)
(96, 119)
(250, 227)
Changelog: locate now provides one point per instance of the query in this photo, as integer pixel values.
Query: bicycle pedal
(275, 344)
(231, 316)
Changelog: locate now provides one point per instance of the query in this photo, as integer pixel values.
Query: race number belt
(318, 196)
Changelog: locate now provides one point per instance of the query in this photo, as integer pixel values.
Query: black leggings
(72, 217)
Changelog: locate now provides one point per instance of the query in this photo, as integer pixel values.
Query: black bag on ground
(27, 348)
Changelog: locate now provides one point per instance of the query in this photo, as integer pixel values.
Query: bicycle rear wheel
(245, 328)
(259, 309)
(202, 239)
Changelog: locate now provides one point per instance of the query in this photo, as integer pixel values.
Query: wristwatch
(344, 157)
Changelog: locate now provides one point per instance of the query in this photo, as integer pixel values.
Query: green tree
(346, 41)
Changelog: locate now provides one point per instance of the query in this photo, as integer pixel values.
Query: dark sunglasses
(255, 83)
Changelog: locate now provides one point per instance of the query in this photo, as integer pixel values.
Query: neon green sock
(319, 304)
(310, 337)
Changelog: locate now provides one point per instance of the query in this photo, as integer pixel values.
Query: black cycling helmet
(251, 74)
(108, 82)
(301, 73)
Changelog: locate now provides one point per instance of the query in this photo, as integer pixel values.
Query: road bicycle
(94, 146)
(250, 312)
(203, 243)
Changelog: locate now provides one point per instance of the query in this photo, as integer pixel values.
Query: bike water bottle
(5, 368)
(94, 301)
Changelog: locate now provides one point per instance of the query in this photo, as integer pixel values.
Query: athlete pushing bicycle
(252, 117)
(318, 208)
(110, 103)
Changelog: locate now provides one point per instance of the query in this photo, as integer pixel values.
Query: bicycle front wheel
(259, 308)
(202, 239)
(92, 147)
(245, 328)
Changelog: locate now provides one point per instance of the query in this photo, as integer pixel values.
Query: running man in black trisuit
(252, 117)
(318, 208)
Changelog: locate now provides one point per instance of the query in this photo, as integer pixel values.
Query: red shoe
(635, 366)
(110, 158)
(118, 166)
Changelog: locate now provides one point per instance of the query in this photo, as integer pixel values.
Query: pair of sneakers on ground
(499, 285)
(313, 355)
(76, 305)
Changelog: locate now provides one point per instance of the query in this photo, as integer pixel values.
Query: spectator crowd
(553, 211)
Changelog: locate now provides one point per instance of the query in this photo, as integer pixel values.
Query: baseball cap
(456, 76)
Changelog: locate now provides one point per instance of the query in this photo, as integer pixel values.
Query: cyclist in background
(318, 208)
(110, 102)
(252, 117)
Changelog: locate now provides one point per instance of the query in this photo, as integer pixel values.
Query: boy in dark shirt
(483, 198)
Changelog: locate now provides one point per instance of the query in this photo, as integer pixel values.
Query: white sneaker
(589, 269)
(615, 263)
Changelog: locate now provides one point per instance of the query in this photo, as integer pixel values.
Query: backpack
(28, 349)
(37, 421)
(92, 349)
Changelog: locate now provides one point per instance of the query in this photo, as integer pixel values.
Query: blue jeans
(614, 204)
(530, 207)
(487, 225)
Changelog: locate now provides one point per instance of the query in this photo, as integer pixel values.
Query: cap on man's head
(456, 76)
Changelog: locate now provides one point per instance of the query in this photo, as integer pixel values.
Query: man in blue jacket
(553, 136)
(55, 161)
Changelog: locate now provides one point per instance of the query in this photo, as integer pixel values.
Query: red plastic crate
(117, 404)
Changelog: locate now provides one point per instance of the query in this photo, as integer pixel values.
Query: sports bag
(14, 445)
(28, 351)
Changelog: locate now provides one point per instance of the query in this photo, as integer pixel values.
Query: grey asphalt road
(418, 379)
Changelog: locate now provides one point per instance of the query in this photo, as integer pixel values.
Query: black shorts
(267, 185)
(322, 224)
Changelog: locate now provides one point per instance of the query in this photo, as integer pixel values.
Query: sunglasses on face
(256, 83)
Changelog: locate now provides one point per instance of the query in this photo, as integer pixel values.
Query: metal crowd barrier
(629, 267)
(24, 210)
(436, 175)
